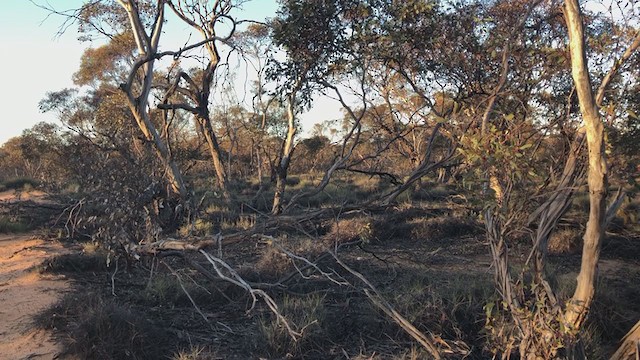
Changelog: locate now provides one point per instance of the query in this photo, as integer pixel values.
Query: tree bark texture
(285, 158)
(148, 47)
(578, 306)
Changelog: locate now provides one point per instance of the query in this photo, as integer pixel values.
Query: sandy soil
(24, 293)
(12, 195)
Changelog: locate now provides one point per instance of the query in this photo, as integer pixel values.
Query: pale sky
(36, 61)
(33, 63)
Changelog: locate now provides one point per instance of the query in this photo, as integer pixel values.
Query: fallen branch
(428, 341)
(233, 277)
(195, 306)
(629, 346)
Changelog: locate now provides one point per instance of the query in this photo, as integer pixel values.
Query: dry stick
(378, 300)
(614, 206)
(301, 269)
(629, 345)
(113, 278)
(308, 264)
(153, 264)
(186, 292)
(236, 279)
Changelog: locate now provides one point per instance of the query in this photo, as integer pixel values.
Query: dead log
(630, 345)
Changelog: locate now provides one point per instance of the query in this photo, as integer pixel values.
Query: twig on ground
(427, 341)
(195, 306)
(234, 278)
(113, 278)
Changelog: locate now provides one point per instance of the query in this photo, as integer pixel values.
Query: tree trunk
(285, 159)
(216, 155)
(147, 46)
(578, 306)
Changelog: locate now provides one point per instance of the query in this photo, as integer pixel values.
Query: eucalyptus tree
(532, 326)
(139, 82)
(206, 18)
(313, 38)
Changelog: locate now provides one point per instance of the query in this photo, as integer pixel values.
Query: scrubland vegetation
(487, 158)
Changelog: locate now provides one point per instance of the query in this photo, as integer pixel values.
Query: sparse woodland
(478, 198)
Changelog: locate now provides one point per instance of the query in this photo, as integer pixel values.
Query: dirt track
(24, 293)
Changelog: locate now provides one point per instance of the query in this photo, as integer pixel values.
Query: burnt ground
(429, 261)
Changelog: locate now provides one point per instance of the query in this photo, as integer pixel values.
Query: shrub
(273, 264)
(22, 183)
(564, 241)
(442, 227)
(96, 328)
(9, 226)
(352, 229)
(307, 315)
(77, 262)
(292, 180)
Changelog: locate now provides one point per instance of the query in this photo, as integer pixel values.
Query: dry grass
(350, 229)
(308, 315)
(565, 241)
(96, 328)
(272, 264)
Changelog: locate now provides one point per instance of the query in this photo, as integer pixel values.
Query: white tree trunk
(578, 306)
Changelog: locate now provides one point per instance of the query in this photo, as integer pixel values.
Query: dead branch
(233, 277)
(195, 306)
(629, 346)
(307, 264)
(428, 341)
(173, 244)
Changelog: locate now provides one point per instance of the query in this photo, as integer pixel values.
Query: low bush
(22, 183)
(307, 314)
(442, 227)
(565, 241)
(75, 262)
(99, 328)
(9, 226)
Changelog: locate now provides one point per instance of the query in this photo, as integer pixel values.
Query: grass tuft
(95, 328)
(8, 226)
(21, 183)
(307, 313)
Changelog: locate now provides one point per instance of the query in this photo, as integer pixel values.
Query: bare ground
(24, 293)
